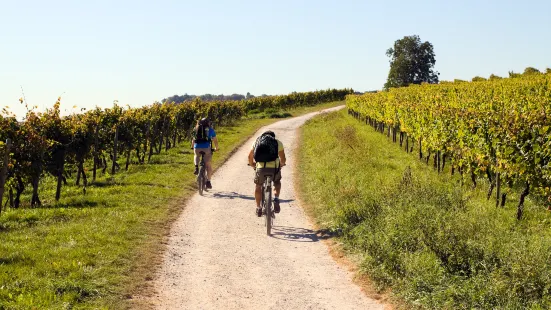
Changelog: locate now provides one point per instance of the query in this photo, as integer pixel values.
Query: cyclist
(204, 136)
(262, 151)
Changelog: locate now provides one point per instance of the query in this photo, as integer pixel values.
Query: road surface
(219, 256)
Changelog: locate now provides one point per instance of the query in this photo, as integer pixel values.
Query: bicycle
(202, 176)
(267, 203)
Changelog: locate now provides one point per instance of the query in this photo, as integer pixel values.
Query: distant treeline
(210, 97)
(232, 97)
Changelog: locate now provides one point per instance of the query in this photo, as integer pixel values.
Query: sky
(137, 52)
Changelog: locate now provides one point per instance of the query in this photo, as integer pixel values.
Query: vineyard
(95, 140)
(499, 130)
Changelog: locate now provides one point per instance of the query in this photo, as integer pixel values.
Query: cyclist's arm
(192, 142)
(282, 158)
(251, 158)
(215, 140)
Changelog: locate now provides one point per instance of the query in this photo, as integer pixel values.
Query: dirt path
(219, 257)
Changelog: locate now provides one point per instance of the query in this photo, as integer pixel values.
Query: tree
(513, 75)
(548, 71)
(478, 79)
(531, 71)
(411, 62)
(494, 77)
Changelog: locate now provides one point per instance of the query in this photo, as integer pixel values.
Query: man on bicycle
(267, 157)
(204, 136)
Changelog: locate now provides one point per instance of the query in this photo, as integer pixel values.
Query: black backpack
(265, 149)
(202, 134)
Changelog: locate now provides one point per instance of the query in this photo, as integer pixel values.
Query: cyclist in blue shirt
(202, 142)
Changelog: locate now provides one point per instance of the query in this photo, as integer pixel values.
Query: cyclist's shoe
(276, 205)
(196, 172)
(209, 186)
(258, 211)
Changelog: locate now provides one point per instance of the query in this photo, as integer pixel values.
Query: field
(432, 239)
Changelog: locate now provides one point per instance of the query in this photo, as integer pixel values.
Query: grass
(98, 250)
(435, 243)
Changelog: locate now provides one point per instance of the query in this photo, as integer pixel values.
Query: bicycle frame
(267, 203)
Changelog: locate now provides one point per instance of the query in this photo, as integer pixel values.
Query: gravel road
(219, 256)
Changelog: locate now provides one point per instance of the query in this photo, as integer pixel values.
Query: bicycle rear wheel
(268, 208)
(201, 180)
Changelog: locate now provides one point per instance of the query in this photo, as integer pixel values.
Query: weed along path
(219, 256)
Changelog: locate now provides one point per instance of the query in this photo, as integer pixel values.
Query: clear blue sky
(136, 52)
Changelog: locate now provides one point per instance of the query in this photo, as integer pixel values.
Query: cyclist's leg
(258, 179)
(208, 163)
(258, 195)
(196, 159)
(277, 184)
(196, 156)
(277, 190)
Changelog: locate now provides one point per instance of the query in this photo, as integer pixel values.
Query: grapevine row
(49, 143)
(499, 129)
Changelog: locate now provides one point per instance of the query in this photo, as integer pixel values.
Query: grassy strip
(435, 243)
(97, 250)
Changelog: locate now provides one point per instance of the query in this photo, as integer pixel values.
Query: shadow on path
(297, 234)
(231, 195)
(234, 195)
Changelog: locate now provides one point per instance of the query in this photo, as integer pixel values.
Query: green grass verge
(434, 243)
(99, 249)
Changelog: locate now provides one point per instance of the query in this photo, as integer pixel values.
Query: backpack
(202, 134)
(265, 149)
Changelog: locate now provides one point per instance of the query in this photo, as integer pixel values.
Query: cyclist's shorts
(208, 154)
(261, 174)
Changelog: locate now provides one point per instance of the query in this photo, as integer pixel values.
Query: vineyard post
(153, 141)
(4, 171)
(138, 145)
(498, 188)
(147, 134)
(128, 158)
(492, 184)
(401, 139)
(77, 183)
(167, 139)
(96, 159)
(175, 130)
(11, 197)
(60, 167)
(84, 179)
(35, 200)
(520, 207)
(151, 144)
(161, 133)
(115, 150)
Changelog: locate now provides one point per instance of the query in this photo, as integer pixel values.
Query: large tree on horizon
(411, 62)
